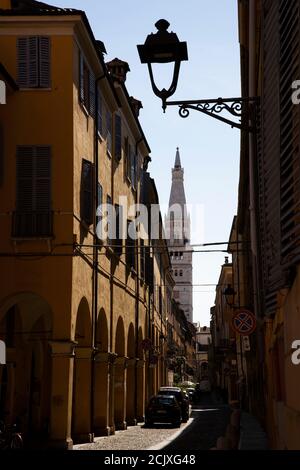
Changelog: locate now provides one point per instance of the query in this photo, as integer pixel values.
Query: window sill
(35, 89)
(23, 238)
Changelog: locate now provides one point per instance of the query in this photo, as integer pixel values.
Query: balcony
(32, 224)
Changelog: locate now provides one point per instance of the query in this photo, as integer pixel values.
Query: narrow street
(208, 421)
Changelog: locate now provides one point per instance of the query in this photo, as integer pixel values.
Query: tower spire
(177, 159)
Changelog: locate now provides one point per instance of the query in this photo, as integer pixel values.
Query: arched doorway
(120, 377)
(25, 380)
(130, 378)
(81, 412)
(103, 419)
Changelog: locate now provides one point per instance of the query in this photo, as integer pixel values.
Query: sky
(209, 149)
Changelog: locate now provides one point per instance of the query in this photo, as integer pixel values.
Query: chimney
(118, 69)
(5, 5)
(136, 104)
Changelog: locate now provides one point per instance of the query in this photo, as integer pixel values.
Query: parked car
(181, 398)
(190, 391)
(204, 385)
(163, 409)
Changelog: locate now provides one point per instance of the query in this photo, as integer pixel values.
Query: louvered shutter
(81, 78)
(268, 158)
(33, 58)
(109, 131)
(289, 132)
(87, 192)
(44, 62)
(42, 179)
(100, 114)
(25, 179)
(23, 62)
(28, 58)
(118, 137)
(92, 100)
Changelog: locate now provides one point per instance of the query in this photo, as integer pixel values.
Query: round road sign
(244, 322)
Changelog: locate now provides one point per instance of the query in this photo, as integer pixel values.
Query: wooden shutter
(132, 163)
(33, 76)
(25, 179)
(108, 131)
(33, 179)
(28, 58)
(130, 248)
(289, 133)
(33, 216)
(42, 179)
(34, 62)
(118, 137)
(44, 62)
(81, 79)
(23, 62)
(119, 231)
(268, 159)
(100, 113)
(92, 97)
(87, 192)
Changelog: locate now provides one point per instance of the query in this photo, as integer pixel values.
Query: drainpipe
(95, 255)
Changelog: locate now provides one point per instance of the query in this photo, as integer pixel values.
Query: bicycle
(10, 438)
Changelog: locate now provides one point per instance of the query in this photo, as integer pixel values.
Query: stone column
(131, 392)
(103, 403)
(120, 392)
(62, 357)
(140, 371)
(81, 413)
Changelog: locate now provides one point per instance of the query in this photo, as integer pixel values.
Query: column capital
(140, 363)
(121, 361)
(83, 352)
(107, 357)
(62, 348)
(132, 361)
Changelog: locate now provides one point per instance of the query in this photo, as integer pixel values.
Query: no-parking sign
(244, 322)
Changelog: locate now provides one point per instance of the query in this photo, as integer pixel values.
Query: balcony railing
(32, 224)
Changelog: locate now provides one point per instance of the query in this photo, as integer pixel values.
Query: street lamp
(229, 294)
(164, 47)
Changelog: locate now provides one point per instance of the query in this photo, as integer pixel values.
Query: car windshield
(167, 400)
(172, 392)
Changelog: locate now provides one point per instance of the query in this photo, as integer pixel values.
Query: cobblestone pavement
(134, 438)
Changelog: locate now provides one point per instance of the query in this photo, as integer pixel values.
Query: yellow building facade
(75, 309)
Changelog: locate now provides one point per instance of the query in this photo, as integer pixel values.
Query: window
(109, 132)
(143, 258)
(127, 162)
(34, 62)
(87, 192)
(119, 230)
(130, 248)
(118, 137)
(133, 168)
(176, 273)
(100, 114)
(33, 216)
(87, 86)
(180, 272)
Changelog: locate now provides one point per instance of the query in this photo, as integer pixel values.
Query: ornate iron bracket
(242, 108)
